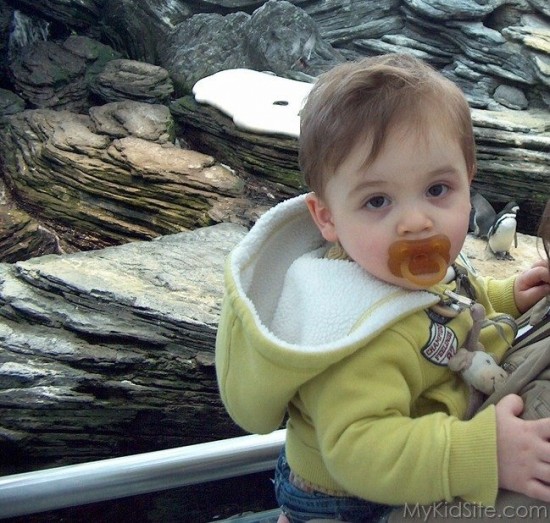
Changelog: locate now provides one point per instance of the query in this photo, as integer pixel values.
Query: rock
(51, 75)
(535, 38)
(277, 37)
(21, 236)
(150, 122)
(114, 176)
(505, 42)
(6, 16)
(510, 97)
(80, 14)
(513, 154)
(190, 53)
(10, 103)
(444, 10)
(99, 349)
(233, 4)
(131, 80)
(268, 163)
(283, 39)
(488, 52)
(139, 28)
(541, 6)
(488, 48)
(343, 23)
(429, 52)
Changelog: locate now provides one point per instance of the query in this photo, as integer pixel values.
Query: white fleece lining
(261, 260)
(304, 302)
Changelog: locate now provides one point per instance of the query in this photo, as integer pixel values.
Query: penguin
(482, 215)
(503, 232)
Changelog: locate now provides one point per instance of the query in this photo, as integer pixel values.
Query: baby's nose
(414, 220)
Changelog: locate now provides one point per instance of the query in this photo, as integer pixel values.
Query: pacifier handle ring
(424, 282)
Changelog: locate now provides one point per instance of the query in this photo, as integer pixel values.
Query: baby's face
(417, 189)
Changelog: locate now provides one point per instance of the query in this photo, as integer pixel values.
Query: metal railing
(74, 485)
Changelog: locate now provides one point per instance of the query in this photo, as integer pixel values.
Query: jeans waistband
(307, 486)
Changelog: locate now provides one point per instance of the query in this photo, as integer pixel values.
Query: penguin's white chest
(503, 235)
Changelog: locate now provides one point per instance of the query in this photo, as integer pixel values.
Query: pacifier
(421, 262)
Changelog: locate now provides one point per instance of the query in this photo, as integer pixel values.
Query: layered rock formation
(101, 349)
(114, 175)
(58, 75)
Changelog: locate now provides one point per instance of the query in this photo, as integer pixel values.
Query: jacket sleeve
(376, 449)
(498, 293)
(243, 376)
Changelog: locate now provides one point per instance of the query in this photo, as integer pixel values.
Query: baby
(343, 307)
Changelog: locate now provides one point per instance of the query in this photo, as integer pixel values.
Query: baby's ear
(322, 217)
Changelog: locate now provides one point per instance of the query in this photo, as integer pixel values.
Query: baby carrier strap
(528, 364)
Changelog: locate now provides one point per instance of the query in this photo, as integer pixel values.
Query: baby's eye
(439, 189)
(377, 202)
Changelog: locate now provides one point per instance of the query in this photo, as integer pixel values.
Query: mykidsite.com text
(465, 511)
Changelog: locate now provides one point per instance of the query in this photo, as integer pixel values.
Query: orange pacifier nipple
(421, 262)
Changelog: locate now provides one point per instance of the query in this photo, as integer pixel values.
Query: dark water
(196, 504)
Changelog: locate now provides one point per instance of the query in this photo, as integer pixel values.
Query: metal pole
(73, 485)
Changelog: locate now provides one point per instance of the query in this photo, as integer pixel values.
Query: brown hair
(364, 99)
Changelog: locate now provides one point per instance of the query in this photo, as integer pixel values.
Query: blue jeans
(300, 506)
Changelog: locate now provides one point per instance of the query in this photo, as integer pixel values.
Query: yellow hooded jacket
(358, 365)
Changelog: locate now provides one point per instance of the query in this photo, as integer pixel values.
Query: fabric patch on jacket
(442, 345)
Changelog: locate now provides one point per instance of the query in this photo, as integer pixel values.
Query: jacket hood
(304, 302)
(289, 314)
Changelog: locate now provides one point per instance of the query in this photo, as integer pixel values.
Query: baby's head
(366, 99)
(387, 147)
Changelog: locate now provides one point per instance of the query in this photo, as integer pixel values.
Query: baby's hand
(523, 450)
(532, 285)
